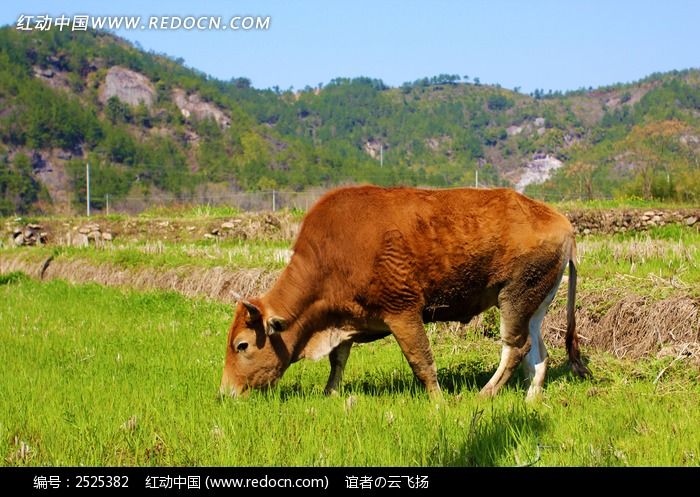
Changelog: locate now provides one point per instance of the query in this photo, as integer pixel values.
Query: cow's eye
(241, 346)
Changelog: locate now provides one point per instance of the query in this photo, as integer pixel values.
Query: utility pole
(107, 202)
(381, 155)
(273, 201)
(476, 181)
(87, 182)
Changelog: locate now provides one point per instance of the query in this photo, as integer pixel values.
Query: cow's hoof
(330, 392)
(534, 394)
(487, 392)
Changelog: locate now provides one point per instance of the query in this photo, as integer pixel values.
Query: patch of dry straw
(631, 326)
(217, 283)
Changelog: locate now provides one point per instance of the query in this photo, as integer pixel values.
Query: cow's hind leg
(536, 359)
(516, 343)
(410, 334)
(338, 358)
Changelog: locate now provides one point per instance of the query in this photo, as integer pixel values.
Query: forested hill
(149, 125)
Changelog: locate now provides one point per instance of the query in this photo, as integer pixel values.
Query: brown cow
(370, 262)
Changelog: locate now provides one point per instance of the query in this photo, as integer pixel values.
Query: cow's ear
(275, 324)
(253, 310)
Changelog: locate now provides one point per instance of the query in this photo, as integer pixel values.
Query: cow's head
(256, 354)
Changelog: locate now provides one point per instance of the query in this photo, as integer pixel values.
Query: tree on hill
(654, 149)
(18, 188)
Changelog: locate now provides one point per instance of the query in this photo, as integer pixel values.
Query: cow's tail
(572, 349)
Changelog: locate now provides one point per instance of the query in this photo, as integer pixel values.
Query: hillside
(150, 126)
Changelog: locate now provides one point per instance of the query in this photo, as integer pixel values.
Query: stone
(84, 231)
(215, 231)
(691, 220)
(128, 86)
(228, 225)
(514, 130)
(81, 240)
(273, 221)
(19, 240)
(107, 237)
(209, 236)
(194, 105)
(649, 214)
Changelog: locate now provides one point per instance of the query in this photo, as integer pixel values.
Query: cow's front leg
(338, 358)
(410, 333)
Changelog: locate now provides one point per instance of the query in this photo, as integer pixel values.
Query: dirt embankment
(279, 226)
(283, 226)
(217, 283)
(594, 221)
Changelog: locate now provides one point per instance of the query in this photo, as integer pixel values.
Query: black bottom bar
(48, 481)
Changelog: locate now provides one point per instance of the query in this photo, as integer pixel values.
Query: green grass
(13, 277)
(190, 211)
(655, 263)
(101, 376)
(620, 203)
(231, 253)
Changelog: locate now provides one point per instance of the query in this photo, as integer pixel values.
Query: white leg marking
(496, 378)
(537, 351)
(538, 381)
(505, 354)
(536, 359)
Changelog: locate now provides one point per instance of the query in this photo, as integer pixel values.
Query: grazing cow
(369, 262)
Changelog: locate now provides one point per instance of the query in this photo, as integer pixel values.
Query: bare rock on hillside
(373, 147)
(192, 105)
(128, 86)
(537, 170)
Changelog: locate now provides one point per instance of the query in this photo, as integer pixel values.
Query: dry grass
(216, 283)
(631, 326)
(640, 250)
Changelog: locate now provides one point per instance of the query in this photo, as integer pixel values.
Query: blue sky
(557, 45)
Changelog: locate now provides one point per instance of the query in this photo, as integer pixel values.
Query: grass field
(103, 376)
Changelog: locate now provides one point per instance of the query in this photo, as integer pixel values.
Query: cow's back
(394, 247)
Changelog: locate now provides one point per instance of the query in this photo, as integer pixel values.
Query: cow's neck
(293, 297)
(291, 294)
